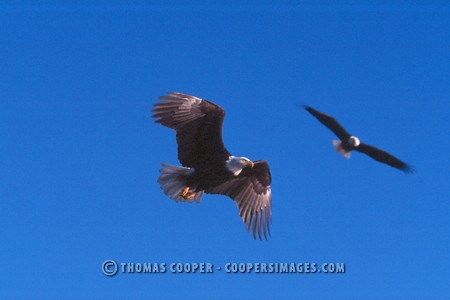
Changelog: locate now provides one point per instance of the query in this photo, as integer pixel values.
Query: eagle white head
(354, 141)
(236, 164)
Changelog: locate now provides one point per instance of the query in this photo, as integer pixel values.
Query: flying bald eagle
(208, 167)
(349, 142)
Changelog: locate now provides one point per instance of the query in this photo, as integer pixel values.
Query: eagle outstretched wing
(384, 157)
(198, 124)
(252, 194)
(329, 122)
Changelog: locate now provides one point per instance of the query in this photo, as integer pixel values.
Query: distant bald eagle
(349, 142)
(208, 167)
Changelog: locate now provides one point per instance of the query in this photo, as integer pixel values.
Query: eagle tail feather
(172, 182)
(338, 146)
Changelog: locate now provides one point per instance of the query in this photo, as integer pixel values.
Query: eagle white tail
(172, 182)
(338, 146)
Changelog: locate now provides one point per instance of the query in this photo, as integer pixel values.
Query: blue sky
(80, 153)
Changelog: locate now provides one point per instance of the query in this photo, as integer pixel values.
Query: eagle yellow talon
(189, 195)
(184, 192)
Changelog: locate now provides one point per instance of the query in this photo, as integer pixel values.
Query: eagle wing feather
(253, 196)
(198, 124)
(384, 157)
(329, 122)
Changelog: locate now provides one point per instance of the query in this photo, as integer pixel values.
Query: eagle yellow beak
(251, 164)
